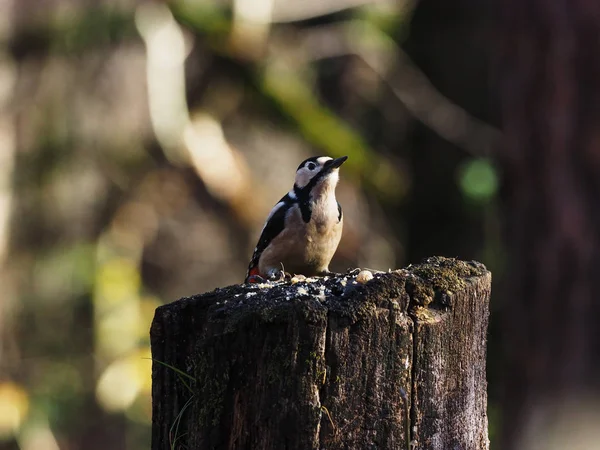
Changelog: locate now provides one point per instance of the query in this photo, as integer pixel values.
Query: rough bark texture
(549, 69)
(330, 363)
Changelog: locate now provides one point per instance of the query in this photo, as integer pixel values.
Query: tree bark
(331, 363)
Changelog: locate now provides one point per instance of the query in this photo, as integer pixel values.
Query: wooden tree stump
(327, 364)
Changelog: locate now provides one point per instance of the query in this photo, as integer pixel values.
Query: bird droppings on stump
(327, 363)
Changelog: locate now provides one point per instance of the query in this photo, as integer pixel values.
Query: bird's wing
(273, 226)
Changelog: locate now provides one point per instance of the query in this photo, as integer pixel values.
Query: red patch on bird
(252, 272)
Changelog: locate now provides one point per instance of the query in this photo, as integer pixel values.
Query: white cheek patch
(302, 177)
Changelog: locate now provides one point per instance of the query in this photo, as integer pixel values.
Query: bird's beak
(335, 163)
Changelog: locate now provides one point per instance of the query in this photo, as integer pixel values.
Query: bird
(303, 230)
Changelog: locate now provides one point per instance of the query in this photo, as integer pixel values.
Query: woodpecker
(304, 228)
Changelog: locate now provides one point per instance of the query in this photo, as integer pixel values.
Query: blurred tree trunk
(550, 92)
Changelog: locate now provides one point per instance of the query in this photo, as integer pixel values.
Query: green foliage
(97, 27)
(205, 17)
(180, 373)
(174, 434)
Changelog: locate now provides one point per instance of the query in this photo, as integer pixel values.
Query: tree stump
(397, 362)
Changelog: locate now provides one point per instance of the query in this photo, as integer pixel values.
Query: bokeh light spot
(478, 179)
(122, 381)
(14, 404)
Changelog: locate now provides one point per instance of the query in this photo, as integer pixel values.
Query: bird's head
(319, 173)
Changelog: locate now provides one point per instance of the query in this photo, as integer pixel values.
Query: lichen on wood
(328, 362)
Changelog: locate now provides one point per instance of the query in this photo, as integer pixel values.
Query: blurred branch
(286, 11)
(385, 58)
(406, 81)
(8, 77)
(281, 82)
(214, 14)
(197, 141)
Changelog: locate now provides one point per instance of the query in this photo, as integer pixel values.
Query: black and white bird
(303, 230)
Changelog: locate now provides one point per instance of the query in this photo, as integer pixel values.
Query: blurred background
(142, 145)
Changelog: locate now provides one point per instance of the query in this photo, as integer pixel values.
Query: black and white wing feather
(274, 225)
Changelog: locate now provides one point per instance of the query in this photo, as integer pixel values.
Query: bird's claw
(272, 277)
(282, 276)
(279, 275)
(328, 273)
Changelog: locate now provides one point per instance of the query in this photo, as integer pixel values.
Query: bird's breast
(305, 247)
(325, 214)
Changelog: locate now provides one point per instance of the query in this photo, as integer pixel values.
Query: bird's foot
(272, 276)
(328, 273)
(277, 275)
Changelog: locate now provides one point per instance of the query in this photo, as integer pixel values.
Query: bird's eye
(311, 166)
